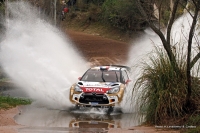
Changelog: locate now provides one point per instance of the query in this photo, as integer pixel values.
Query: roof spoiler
(128, 68)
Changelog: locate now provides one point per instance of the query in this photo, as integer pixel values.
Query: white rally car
(101, 86)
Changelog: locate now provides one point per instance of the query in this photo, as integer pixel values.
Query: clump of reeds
(163, 88)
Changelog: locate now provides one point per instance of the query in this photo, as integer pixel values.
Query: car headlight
(113, 90)
(77, 89)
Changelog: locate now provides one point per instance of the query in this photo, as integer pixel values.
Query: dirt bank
(7, 122)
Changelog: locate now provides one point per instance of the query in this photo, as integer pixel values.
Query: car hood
(99, 87)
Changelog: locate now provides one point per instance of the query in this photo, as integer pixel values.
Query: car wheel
(110, 109)
(77, 107)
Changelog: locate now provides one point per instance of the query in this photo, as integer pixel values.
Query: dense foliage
(122, 14)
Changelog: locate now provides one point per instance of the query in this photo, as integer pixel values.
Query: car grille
(93, 97)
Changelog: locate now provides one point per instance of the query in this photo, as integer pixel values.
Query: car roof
(110, 67)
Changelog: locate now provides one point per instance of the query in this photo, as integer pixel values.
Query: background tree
(122, 14)
(190, 64)
(166, 38)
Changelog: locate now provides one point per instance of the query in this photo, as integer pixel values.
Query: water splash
(139, 51)
(38, 57)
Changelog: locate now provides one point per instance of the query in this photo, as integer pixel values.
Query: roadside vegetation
(170, 84)
(7, 102)
(163, 92)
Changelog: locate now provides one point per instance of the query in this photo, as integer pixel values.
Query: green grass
(7, 102)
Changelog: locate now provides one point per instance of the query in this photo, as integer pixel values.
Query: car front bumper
(95, 100)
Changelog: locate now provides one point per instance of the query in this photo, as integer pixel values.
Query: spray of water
(38, 57)
(139, 51)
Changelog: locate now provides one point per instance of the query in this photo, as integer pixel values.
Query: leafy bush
(94, 12)
(122, 14)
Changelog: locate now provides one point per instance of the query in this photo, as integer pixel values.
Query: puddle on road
(43, 119)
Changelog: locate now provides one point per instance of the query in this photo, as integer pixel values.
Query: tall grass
(7, 102)
(164, 89)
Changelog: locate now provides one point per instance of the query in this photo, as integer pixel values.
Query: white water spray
(138, 53)
(39, 58)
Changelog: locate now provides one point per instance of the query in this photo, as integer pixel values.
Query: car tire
(110, 109)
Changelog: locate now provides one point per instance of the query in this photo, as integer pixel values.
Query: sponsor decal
(94, 89)
(99, 84)
(93, 85)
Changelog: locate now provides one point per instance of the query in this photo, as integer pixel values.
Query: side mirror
(128, 81)
(79, 78)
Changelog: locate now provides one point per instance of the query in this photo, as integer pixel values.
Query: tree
(122, 14)
(157, 28)
(189, 63)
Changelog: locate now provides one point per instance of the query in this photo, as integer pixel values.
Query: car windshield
(101, 76)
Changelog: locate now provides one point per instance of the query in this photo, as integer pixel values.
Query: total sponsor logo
(91, 89)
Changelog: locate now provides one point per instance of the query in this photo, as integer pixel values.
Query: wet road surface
(86, 120)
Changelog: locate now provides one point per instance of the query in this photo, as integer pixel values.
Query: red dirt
(96, 48)
(7, 122)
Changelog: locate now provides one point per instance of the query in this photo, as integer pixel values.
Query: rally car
(101, 86)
